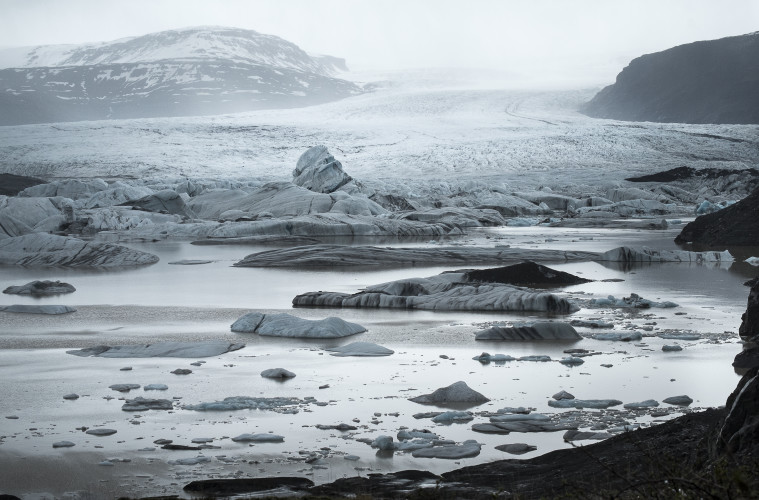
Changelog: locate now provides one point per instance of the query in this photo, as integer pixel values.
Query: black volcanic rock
(736, 225)
(524, 274)
(712, 81)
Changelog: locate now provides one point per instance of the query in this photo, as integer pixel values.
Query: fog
(579, 40)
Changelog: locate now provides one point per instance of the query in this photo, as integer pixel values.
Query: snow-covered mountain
(192, 71)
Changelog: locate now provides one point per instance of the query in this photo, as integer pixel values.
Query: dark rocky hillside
(714, 81)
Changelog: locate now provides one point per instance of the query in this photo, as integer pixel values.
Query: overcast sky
(505, 35)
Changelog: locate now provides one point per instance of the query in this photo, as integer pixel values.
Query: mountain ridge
(192, 71)
(709, 81)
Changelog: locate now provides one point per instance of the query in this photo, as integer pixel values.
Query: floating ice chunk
(457, 392)
(286, 325)
(619, 336)
(100, 431)
(366, 349)
(679, 336)
(584, 403)
(143, 404)
(645, 254)
(671, 348)
(383, 443)
(708, 207)
(467, 449)
(633, 301)
(200, 459)
(41, 288)
(124, 387)
(754, 261)
(51, 309)
(48, 250)
(156, 387)
(523, 222)
(649, 403)
(546, 330)
(449, 417)
(535, 357)
(63, 444)
(244, 403)
(405, 435)
(161, 350)
(71, 396)
(258, 438)
(496, 358)
(571, 361)
(590, 324)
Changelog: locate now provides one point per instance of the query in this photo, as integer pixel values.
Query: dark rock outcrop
(11, 185)
(739, 434)
(524, 274)
(224, 487)
(749, 328)
(736, 225)
(712, 81)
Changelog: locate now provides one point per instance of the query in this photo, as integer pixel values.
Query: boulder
(277, 373)
(47, 250)
(682, 400)
(457, 392)
(736, 225)
(286, 325)
(317, 170)
(538, 331)
(40, 288)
